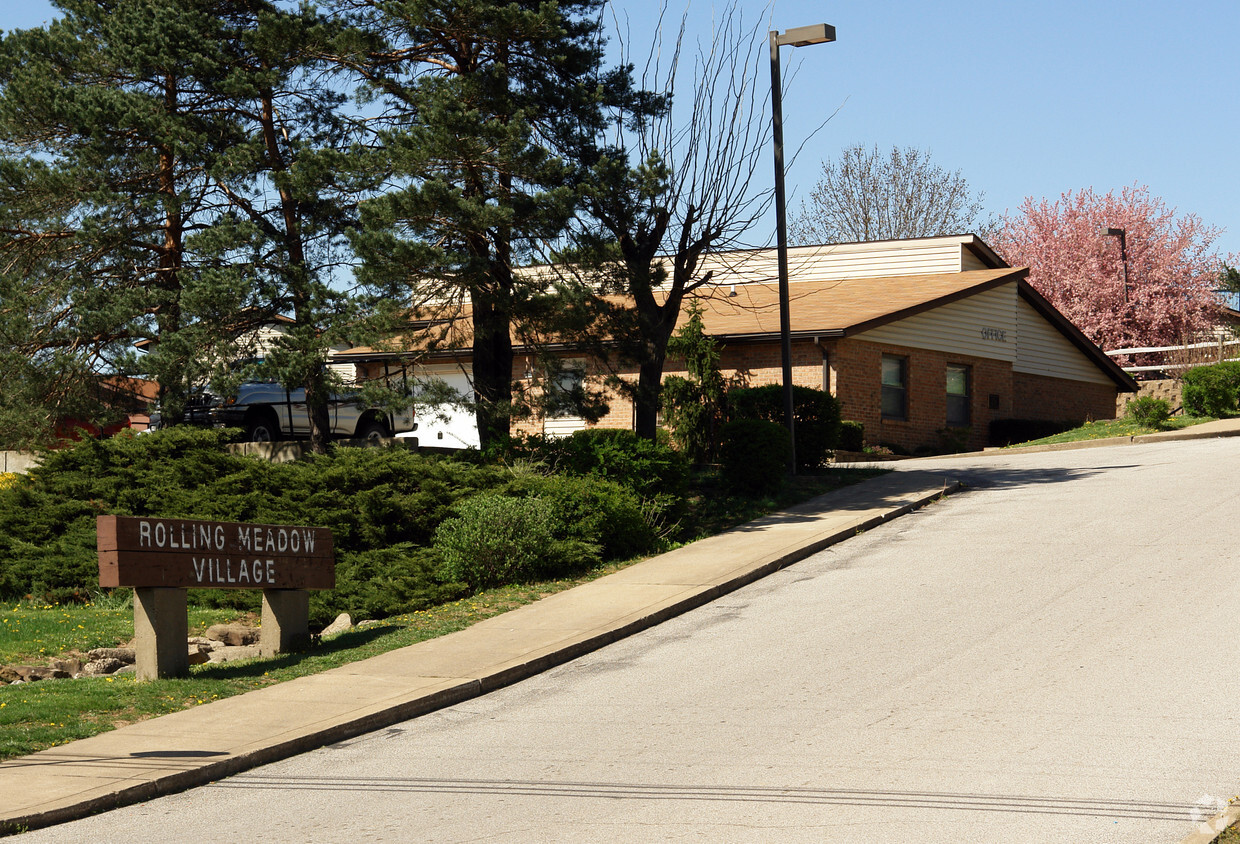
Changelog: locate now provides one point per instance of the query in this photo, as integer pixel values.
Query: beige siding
(983, 325)
(562, 426)
(853, 260)
(1043, 350)
(970, 261)
(347, 370)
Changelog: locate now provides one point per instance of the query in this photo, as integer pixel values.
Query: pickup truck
(268, 412)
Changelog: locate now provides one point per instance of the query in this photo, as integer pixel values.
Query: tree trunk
(297, 271)
(317, 407)
(657, 324)
(493, 359)
(172, 396)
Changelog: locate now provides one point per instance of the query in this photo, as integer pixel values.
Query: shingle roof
(823, 308)
(837, 308)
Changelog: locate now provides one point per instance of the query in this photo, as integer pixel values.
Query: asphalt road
(1045, 657)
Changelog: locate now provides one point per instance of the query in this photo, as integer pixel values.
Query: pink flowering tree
(1172, 269)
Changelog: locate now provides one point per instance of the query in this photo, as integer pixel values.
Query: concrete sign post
(161, 558)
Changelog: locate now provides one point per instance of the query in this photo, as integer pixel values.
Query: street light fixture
(801, 36)
(1123, 252)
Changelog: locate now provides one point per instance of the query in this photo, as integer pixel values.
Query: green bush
(816, 415)
(1212, 390)
(753, 455)
(693, 405)
(852, 436)
(1148, 411)
(384, 582)
(498, 539)
(372, 499)
(596, 513)
(654, 470)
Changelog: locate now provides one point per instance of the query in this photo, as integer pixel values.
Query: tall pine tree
(104, 131)
(483, 100)
(291, 188)
(177, 174)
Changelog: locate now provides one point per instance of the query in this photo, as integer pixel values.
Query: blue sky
(1025, 99)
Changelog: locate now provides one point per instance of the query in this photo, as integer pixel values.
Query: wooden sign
(187, 553)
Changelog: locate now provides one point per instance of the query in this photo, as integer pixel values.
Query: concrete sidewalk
(195, 746)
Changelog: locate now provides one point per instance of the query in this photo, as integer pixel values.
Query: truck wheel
(372, 430)
(262, 427)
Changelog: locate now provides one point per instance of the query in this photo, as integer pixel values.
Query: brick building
(923, 341)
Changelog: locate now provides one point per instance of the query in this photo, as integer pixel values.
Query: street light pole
(799, 37)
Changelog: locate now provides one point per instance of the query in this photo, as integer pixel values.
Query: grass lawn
(35, 716)
(1115, 428)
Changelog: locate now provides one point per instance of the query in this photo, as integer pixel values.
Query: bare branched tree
(670, 185)
(869, 195)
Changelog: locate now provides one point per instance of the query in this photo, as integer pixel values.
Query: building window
(895, 387)
(564, 388)
(959, 396)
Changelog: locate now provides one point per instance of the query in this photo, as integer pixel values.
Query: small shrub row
(655, 471)
(754, 456)
(852, 436)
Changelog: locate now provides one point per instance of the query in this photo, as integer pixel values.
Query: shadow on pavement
(891, 490)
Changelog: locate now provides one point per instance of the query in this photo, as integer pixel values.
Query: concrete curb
(134, 789)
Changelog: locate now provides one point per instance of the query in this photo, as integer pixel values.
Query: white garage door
(447, 425)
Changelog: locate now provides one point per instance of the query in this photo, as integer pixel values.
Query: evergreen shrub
(753, 455)
(652, 469)
(815, 413)
(379, 504)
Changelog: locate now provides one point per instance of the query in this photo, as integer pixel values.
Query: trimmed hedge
(657, 473)
(753, 455)
(816, 415)
(852, 436)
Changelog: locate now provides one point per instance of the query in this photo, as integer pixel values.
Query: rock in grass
(71, 666)
(343, 622)
(102, 667)
(233, 634)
